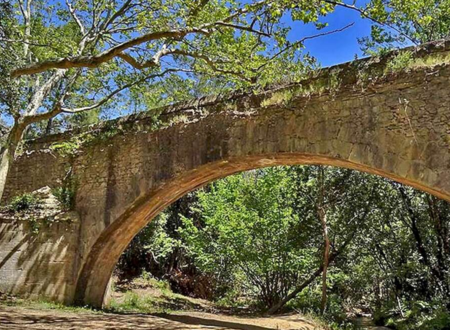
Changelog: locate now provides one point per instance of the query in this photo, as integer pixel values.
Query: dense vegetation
(257, 236)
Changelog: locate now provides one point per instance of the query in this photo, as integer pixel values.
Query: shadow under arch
(93, 281)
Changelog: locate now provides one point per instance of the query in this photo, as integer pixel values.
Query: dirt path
(27, 318)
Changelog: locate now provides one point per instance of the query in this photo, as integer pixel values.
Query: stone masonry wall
(39, 264)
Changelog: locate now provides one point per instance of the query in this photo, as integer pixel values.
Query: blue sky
(335, 48)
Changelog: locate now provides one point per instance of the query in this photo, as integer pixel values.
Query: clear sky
(335, 48)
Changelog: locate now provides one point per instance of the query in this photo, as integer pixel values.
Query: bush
(23, 202)
(66, 196)
(419, 316)
(148, 278)
(439, 321)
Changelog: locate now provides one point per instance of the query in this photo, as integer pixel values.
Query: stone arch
(392, 128)
(397, 125)
(94, 279)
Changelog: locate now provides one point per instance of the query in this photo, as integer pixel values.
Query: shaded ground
(151, 297)
(149, 304)
(14, 317)
(365, 323)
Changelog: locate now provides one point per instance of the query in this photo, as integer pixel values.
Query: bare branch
(23, 41)
(107, 55)
(365, 15)
(22, 8)
(26, 12)
(42, 92)
(211, 63)
(118, 13)
(165, 51)
(120, 30)
(301, 41)
(76, 18)
(135, 64)
(34, 117)
(118, 90)
(244, 28)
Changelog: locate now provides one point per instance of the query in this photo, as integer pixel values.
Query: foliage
(67, 148)
(70, 147)
(23, 202)
(160, 243)
(164, 301)
(248, 233)
(422, 316)
(209, 46)
(150, 250)
(132, 302)
(65, 195)
(35, 225)
(71, 63)
(45, 305)
(399, 62)
(262, 229)
(405, 22)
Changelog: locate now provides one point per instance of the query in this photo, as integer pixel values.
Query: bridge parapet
(360, 76)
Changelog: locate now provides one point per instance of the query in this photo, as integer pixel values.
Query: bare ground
(15, 317)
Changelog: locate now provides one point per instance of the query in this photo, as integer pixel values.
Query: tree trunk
(5, 164)
(301, 287)
(326, 255)
(296, 291)
(311, 279)
(7, 155)
(414, 227)
(322, 213)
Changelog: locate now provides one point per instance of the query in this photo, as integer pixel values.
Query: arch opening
(93, 281)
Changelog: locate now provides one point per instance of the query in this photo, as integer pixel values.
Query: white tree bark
(7, 155)
(5, 164)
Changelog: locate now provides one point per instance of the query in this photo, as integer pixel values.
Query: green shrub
(439, 321)
(148, 278)
(66, 196)
(132, 300)
(232, 299)
(419, 315)
(23, 202)
(399, 62)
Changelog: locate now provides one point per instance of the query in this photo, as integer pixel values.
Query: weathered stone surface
(39, 263)
(397, 125)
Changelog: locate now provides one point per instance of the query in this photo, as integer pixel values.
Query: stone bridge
(388, 116)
